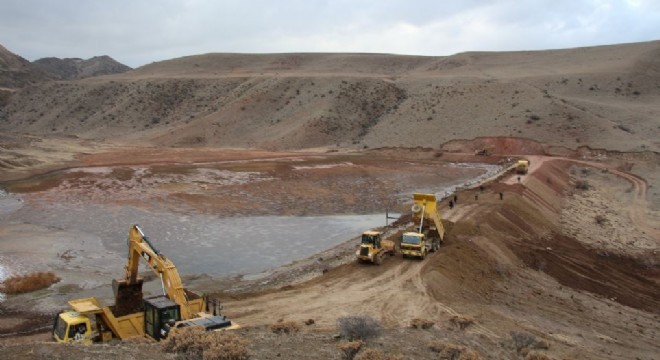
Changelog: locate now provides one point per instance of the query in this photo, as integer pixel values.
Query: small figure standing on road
(476, 197)
(518, 178)
(455, 199)
(501, 196)
(481, 188)
(451, 204)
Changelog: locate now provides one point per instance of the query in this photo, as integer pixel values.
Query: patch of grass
(27, 283)
(285, 327)
(600, 219)
(419, 323)
(195, 343)
(358, 327)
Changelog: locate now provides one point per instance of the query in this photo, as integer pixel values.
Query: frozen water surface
(206, 244)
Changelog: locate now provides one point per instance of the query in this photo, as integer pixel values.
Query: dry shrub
(462, 322)
(600, 219)
(582, 185)
(535, 355)
(285, 327)
(358, 327)
(309, 322)
(373, 354)
(526, 341)
(185, 340)
(196, 343)
(27, 283)
(419, 323)
(350, 348)
(451, 351)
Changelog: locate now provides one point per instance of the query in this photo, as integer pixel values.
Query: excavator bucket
(128, 297)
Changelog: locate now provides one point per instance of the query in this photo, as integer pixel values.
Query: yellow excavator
(133, 315)
(430, 231)
(373, 248)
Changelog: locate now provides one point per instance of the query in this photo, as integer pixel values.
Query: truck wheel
(378, 259)
(423, 256)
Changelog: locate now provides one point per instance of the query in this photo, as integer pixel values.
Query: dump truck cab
(72, 327)
(414, 244)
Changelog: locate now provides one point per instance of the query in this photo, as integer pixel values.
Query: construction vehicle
(430, 231)
(522, 166)
(132, 315)
(373, 248)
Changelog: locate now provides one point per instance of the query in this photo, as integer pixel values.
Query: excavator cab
(159, 313)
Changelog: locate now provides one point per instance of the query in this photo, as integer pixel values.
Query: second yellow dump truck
(373, 248)
(522, 166)
(430, 231)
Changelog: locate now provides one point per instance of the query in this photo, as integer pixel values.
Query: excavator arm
(128, 290)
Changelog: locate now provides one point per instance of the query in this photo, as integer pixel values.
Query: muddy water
(203, 243)
(198, 242)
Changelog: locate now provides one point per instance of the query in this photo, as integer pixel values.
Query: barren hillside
(603, 97)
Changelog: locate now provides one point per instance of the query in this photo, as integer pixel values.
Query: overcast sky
(138, 32)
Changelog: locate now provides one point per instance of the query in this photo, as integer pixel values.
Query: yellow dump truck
(133, 315)
(430, 231)
(522, 166)
(373, 248)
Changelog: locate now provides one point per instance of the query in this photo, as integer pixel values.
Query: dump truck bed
(86, 305)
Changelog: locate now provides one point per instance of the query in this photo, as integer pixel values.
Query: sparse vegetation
(356, 327)
(535, 355)
(600, 219)
(450, 351)
(462, 322)
(27, 283)
(350, 348)
(196, 343)
(526, 341)
(374, 354)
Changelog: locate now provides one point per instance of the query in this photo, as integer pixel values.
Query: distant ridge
(75, 68)
(16, 72)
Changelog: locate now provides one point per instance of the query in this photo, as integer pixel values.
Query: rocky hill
(75, 68)
(16, 72)
(607, 96)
